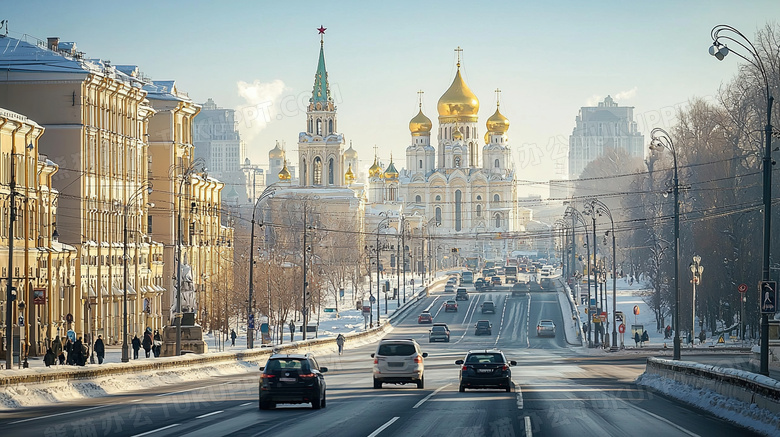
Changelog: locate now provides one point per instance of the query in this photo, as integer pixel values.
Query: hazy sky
(548, 58)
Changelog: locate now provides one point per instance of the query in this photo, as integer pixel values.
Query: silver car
(545, 327)
(398, 361)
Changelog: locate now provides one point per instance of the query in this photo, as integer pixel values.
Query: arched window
(420, 165)
(438, 198)
(330, 126)
(498, 219)
(496, 198)
(496, 164)
(457, 162)
(438, 215)
(458, 196)
(311, 126)
(467, 131)
(330, 171)
(305, 174)
(319, 126)
(417, 199)
(479, 210)
(316, 171)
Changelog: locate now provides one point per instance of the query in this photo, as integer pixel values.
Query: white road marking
(657, 417)
(519, 397)
(156, 430)
(57, 414)
(136, 400)
(528, 431)
(245, 404)
(192, 389)
(209, 414)
(430, 395)
(382, 428)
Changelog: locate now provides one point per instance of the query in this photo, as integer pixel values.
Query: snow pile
(744, 414)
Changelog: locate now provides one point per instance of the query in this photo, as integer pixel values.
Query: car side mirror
(425, 354)
(261, 368)
(459, 362)
(372, 355)
(323, 369)
(513, 363)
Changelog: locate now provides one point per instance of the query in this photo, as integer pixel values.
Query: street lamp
(660, 140)
(696, 269)
(574, 213)
(719, 50)
(250, 340)
(599, 207)
(590, 209)
(146, 186)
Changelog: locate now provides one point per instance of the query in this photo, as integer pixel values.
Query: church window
(498, 220)
(438, 198)
(457, 162)
(458, 204)
(330, 126)
(467, 131)
(496, 164)
(496, 198)
(479, 210)
(420, 165)
(417, 199)
(479, 197)
(319, 126)
(330, 171)
(305, 175)
(311, 126)
(391, 193)
(438, 215)
(317, 171)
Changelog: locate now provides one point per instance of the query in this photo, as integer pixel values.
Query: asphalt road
(557, 392)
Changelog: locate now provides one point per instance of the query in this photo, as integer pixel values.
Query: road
(558, 392)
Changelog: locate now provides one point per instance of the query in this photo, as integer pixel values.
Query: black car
(485, 369)
(483, 327)
(488, 307)
(479, 284)
(461, 294)
(292, 379)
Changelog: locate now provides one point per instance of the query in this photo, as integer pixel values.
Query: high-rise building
(218, 143)
(599, 127)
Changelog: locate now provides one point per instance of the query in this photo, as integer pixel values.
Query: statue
(189, 302)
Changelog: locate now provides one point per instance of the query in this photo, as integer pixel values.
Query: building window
(467, 131)
(316, 171)
(417, 199)
(438, 215)
(420, 165)
(496, 198)
(330, 126)
(457, 162)
(330, 171)
(479, 210)
(458, 197)
(498, 220)
(319, 127)
(438, 198)
(496, 164)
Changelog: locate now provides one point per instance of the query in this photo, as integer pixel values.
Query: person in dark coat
(77, 352)
(100, 349)
(49, 359)
(71, 354)
(147, 341)
(645, 338)
(702, 337)
(157, 346)
(637, 338)
(136, 346)
(56, 349)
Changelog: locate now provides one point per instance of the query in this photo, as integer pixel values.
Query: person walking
(78, 352)
(233, 337)
(645, 338)
(147, 341)
(157, 346)
(292, 330)
(49, 359)
(136, 346)
(70, 357)
(702, 337)
(340, 342)
(100, 349)
(637, 338)
(56, 348)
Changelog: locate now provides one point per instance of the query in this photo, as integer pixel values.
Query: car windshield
(451, 302)
(546, 323)
(485, 358)
(286, 363)
(396, 349)
(438, 329)
(487, 304)
(483, 324)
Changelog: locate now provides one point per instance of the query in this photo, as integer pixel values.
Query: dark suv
(485, 368)
(292, 379)
(483, 327)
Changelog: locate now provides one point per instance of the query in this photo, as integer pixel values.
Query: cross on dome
(498, 97)
(419, 97)
(458, 50)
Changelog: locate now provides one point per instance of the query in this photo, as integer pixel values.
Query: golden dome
(375, 170)
(457, 135)
(284, 175)
(349, 176)
(458, 103)
(420, 124)
(497, 123)
(276, 152)
(487, 137)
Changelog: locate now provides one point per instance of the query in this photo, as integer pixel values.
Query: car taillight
(505, 367)
(418, 359)
(376, 361)
(464, 368)
(306, 375)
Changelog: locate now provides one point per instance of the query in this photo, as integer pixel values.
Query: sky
(547, 58)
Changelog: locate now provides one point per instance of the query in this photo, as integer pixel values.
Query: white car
(449, 288)
(398, 362)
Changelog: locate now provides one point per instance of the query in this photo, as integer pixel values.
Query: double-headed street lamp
(574, 213)
(718, 49)
(696, 269)
(660, 140)
(250, 340)
(598, 207)
(145, 187)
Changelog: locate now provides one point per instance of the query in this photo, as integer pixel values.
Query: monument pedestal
(191, 337)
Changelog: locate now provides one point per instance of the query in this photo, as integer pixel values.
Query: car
(452, 280)
(485, 369)
(495, 280)
(425, 317)
(488, 307)
(461, 294)
(479, 284)
(292, 379)
(483, 327)
(520, 288)
(545, 328)
(399, 361)
(450, 305)
(439, 331)
(449, 288)
(546, 284)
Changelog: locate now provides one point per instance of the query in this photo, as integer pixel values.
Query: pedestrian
(56, 348)
(49, 359)
(233, 337)
(668, 332)
(147, 341)
(637, 338)
(340, 342)
(157, 347)
(78, 352)
(100, 349)
(136, 346)
(292, 330)
(702, 337)
(70, 353)
(645, 338)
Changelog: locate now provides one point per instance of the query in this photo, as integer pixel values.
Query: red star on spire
(322, 30)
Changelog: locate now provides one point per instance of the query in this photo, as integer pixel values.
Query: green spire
(321, 91)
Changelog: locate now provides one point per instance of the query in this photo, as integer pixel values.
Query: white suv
(399, 362)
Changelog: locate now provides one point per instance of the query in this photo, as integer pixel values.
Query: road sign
(721, 340)
(619, 316)
(604, 317)
(596, 318)
(622, 328)
(768, 296)
(742, 288)
(636, 310)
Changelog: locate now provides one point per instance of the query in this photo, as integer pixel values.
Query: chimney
(53, 43)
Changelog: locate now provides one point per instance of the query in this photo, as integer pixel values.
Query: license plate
(484, 370)
(391, 364)
(287, 379)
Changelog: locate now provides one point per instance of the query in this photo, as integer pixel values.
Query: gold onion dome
(487, 137)
(457, 135)
(350, 153)
(375, 170)
(458, 102)
(497, 123)
(276, 152)
(349, 176)
(420, 124)
(391, 172)
(284, 174)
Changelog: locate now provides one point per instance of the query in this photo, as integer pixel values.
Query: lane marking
(156, 430)
(245, 404)
(209, 414)
(430, 395)
(519, 397)
(58, 414)
(666, 421)
(382, 428)
(528, 431)
(193, 389)
(135, 400)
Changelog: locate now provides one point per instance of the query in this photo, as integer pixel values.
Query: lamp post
(590, 209)
(267, 193)
(10, 289)
(660, 140)
(378, 249)
(146, 186)
(599, 207)
(719, 50)
(696, 269)
(574, 213)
